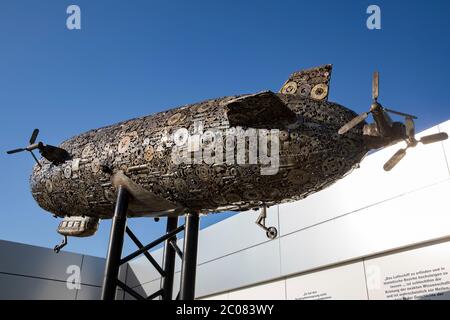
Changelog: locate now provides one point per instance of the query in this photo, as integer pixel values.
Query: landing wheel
(272, 233)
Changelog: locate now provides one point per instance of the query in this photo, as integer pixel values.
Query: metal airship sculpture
(190, 159)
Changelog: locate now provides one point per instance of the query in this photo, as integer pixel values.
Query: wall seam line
(81, 272)
(43, 278)
(445, 154)
(365, 277)
(366, 207)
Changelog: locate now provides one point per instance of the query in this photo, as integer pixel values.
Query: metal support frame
(189, 264)
(115, 245)
(169, 260)
(189, 257)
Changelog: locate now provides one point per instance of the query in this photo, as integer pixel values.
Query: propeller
(375, 85)
(16, 150)
(379, 112)
(34, 136)
(363, 116)
(375, 106)
(53, 154)
(411, 142)
(33, 145)
(353, 123)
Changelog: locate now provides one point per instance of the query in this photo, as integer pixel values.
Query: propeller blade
(15, 151)
(375, 85)
(400, 113)
(34, 136)
(392, 162)
(434, 138)
(410, 128)
(353, 123)
(35, 159)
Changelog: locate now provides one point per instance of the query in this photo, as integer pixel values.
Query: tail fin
(312, 83)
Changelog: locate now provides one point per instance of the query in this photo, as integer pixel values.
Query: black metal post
(189, 263)
(169, 260)
(115, 245)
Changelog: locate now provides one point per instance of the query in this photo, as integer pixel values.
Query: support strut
(169, 260)
(115, 245)
(189, 256)
(189, 263)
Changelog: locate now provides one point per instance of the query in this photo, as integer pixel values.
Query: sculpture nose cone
(41, 186)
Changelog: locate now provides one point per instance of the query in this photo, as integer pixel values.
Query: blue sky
(133, 58)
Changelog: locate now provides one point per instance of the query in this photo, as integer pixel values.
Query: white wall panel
(421, 273)
(30, 272)
(368, 185)
(176, 285)
(222, 296)
(22, 259)
(90, 293)
(146, 289)
(92, 270)
(120, 294)
(445, 127)
(240, 269)
(412, 218)
(180, 244)
(268, 291)
(27, 288)
(346, 282)
(141, 271)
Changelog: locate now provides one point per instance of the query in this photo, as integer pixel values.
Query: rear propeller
(53, 154)
(411, 142)
(385, 126)
(363, 116)
(30, 147)
(375, 107)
